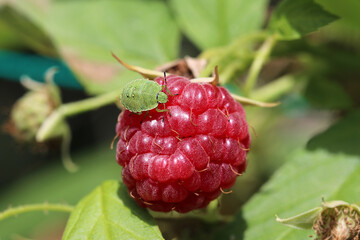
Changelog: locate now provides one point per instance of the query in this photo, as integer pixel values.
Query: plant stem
(219, 55)
(260, 58)
(275, 89)
(93, 103)
(232, 68)
(65, 151)
(53, 122)
(35, 207)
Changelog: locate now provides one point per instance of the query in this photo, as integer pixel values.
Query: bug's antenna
(165, 78)
(166, 88)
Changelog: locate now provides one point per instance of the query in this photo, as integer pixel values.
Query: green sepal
(304, 220)
(335, 204)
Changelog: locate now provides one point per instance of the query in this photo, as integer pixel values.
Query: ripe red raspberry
(183, 160)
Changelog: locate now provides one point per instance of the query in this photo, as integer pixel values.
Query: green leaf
(328, 94)
(109, 213)
(292, 19)
(27, 32)
(343, 136)
(8, 39)
(140, 32)
(348, 10)
(297, 186)
(347, 29)
(86, 32)
(212, 23)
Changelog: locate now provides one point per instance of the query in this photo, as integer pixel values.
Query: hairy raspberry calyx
(182, 160)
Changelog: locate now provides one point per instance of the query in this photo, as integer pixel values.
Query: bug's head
(161, 97)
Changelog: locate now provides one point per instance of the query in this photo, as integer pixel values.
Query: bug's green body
(142, 95)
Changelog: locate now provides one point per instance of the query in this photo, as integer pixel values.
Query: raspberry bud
(183, 159)
(29, 118)
(31, 110)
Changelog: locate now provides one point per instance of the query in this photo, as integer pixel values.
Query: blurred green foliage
(342, 137)
(213, 23)
(55, 185)
(293, 19)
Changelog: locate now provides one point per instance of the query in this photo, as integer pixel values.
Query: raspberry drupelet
(183, 159)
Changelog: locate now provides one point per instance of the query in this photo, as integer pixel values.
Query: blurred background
(318, 89)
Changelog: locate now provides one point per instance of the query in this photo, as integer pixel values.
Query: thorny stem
(260, 58)
(35, 207)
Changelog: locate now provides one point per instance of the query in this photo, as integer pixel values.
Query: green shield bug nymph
(143, 95)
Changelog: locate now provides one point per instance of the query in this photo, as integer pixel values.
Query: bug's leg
(166, 88)
(167, 109)
(137, 113)
(163, 110)
(147, 113)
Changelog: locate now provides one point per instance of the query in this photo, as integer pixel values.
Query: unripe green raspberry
(35, 117)
(29, 112)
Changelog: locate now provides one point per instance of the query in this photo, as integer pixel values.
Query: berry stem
(35, 207)
(89, 104)
(56, 119)
(260, 59)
